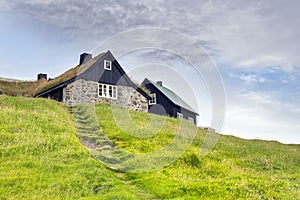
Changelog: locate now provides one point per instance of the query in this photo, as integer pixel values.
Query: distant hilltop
(9, 79)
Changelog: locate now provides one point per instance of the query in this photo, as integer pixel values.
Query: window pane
(100, 90)
(114, 92)
(153, 99)
(107, 64)
(104, 90)
(179, 115)
(110, 93)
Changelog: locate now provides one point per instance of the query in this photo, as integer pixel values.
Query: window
(152, 101)
(191, 119)
(100, 90)
(107, 64)
(179, 115)
(104, 90)
(110, 91)
(107, 91)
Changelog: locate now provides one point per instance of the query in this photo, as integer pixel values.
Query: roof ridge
(180, 102)
(71, 73)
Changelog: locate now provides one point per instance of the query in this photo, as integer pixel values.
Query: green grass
(21, 88)
(235, 169)
(42, 158)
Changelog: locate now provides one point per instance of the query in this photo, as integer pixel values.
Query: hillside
(21, 88)
(42, 158)
(9, 79)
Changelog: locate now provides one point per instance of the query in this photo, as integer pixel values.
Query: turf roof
(71, 73)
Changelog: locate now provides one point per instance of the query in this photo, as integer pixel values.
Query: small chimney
(84, 58)
(41, 77)
(159, 83)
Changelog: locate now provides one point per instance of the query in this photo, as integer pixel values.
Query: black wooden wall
(169, 108)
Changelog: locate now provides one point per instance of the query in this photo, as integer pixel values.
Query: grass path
(93, 138)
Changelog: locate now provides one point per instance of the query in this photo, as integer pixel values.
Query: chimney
(84, 58)
(41, 77)
(159, 83)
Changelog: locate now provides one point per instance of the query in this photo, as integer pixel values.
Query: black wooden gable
(171, 102)
(115, 76)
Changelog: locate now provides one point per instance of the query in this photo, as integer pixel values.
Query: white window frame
(108, 91)
(179, 115)
(191, 119)
(107, 64)
(152, 101)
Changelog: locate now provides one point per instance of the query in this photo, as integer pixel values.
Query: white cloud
(249, 78)
(247, 123)
(261, 115)
(248, 34)
(252, 37)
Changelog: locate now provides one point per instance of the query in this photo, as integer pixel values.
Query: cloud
(249, 34)
(249, 78)
(265, 109)
(257, 114)
(254, 43)
(245, 122)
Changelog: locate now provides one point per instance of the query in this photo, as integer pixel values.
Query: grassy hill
(41, 157)
(21, 88)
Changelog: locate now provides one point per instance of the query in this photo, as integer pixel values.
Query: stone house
(95, 80)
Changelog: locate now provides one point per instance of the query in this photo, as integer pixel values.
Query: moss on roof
(71, 73)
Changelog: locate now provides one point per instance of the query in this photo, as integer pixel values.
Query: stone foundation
(82, 91)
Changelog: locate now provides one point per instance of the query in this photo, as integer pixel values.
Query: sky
(253, 44)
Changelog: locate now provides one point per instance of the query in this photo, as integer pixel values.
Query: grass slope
(42, 158)
(21, 88)
(235, 169)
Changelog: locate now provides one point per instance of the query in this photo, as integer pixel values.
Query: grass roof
(71, 73)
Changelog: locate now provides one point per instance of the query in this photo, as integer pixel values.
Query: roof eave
(187, 109)
(65, 83)
(192, 111)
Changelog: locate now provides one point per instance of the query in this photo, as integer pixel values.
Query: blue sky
(254, 44)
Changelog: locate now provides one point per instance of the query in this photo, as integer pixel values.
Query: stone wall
(82, 91)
